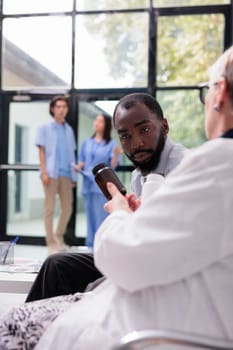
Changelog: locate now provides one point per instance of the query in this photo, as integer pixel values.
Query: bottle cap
(98, 167)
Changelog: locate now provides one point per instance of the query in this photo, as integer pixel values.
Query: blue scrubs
(51, 136)
(92, 153)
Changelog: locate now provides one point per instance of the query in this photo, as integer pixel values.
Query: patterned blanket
(22, 327)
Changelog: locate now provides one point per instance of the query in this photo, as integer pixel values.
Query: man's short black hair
(131, 100)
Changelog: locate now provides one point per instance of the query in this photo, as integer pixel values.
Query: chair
(145, 338)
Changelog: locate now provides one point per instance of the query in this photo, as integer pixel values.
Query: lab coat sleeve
(175, 233)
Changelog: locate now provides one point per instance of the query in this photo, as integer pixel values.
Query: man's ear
(221, 93)
(165, 126)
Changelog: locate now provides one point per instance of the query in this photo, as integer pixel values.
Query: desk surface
(18, 282)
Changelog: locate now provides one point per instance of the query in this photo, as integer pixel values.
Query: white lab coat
(169, 265)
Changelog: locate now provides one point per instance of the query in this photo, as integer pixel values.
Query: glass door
(22, 195)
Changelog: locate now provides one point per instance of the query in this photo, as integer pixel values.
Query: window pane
(25, 204)
(185, 115)
(88, 5)
(111, 51)
(25, 191)
(36, 6)
(24, 119)
(36, 53)
(187, 46)
(171, 3)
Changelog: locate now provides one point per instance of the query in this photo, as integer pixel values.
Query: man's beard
(153, 162)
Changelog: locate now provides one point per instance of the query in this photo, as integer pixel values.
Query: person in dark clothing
(64, 273)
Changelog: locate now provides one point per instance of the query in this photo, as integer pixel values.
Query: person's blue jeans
(94, 208)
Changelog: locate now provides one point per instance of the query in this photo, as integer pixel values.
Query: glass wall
(25, 194)
(36, 53)
(113, 46)
(187, 45)
(185, 116)
(24, 189)
(171, 3)
(37, 6)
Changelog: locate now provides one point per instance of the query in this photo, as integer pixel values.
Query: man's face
(142, 135)
(60, 111)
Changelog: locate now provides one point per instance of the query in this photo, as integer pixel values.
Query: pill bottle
(104, 174)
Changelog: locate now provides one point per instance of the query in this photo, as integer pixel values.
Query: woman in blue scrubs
(99, 148)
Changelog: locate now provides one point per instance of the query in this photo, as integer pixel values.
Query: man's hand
(78, 167)
(119, 202)
(45, 179)
(133, 202)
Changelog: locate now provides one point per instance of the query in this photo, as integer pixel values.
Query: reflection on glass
(36, 6)
(36, 52)
(185, 116)
(90, 5)
(187, 45)
(171, 3)
(114, 47)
